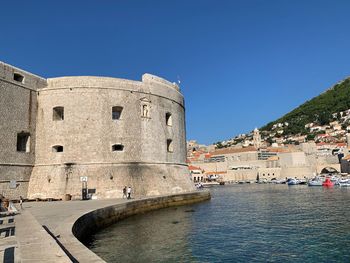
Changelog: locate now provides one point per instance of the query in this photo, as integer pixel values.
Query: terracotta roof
(207, 155)
(273, 158)
(191, 168)
(220, 172)
(281, 149)
(233, 150)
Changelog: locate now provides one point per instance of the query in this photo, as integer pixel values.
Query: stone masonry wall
(18, 106)
(88, 132)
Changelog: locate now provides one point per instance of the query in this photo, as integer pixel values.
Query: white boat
(280, 181)
(293, 181)
(344, 182)
(315, 183)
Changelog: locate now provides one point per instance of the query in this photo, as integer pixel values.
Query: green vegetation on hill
(318, 110)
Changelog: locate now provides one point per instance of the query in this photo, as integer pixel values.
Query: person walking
(124, 192)
(21, 202)
(129, 192)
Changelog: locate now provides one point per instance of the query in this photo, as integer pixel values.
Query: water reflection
(242, 223)
(159, 236)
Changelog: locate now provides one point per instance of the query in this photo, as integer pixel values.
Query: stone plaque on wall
(13, 184)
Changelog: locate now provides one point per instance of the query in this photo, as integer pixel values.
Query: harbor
(244, 222)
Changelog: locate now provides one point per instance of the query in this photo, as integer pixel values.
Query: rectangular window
(58, 114)
(57, 148)
(117, 148)
(18, 77)
(116, 112)
(23, 142)
(170, 147)
(168, 119)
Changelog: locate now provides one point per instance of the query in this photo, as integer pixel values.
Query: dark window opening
(58, 114)
(169, 145)
(145, 111)
(168, 119)
(117, 148)
(18, 77)
(116, 112)
(23, 142)
(57, 148)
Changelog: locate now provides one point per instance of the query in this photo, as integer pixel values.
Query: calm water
(242, 223)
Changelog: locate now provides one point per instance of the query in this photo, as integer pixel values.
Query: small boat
(302, 181)
(292, 181)
(315, 182)
(328, 183)
(280, 181)
(344, 182)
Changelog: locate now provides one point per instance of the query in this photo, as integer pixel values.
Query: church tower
(256, 138)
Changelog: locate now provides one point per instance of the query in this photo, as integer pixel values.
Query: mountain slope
(318, 109)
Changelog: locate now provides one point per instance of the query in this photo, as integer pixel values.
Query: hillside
(318, 110)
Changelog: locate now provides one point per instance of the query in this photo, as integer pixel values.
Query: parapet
(150, 84)
(21, 77)
(149, 78)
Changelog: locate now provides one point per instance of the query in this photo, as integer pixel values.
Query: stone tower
(256, 138)
(105, 133)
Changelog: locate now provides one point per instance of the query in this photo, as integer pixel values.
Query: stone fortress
(61, 135)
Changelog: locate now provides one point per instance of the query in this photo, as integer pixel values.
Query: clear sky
(241, 63)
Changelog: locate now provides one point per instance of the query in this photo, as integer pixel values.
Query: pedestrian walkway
(42, 231)
(34, 243)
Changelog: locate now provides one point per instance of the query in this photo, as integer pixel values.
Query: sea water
(241, 223)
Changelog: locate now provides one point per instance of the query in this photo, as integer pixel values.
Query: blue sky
(241, 63)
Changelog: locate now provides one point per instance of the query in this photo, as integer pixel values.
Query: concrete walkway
(40, 225)
(42, 231)
(53, 214)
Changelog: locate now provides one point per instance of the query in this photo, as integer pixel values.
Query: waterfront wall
(78, 227)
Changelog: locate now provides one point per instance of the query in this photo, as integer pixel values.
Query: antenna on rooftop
(178, 80)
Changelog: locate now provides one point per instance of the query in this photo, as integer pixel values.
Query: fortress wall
(18, 106)
(109, 180)
(88, 132)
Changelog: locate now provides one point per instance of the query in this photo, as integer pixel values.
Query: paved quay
(35, 244)
(43, 231)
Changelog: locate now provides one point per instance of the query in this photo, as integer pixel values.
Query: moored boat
(328, 183)
(344, 182)
(315, 182)
(293, 181)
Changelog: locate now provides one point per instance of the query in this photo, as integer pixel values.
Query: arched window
(170, 147)
(58, 113)
(57, 148)
(117, 148)
(116, 112)
(18, 77)
(168, 119)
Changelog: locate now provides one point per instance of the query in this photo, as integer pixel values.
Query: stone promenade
(24, 237)
(42, 231)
